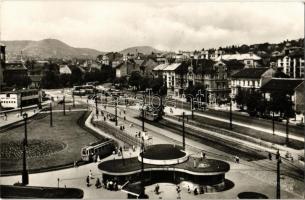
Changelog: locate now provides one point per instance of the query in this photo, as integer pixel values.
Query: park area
(48, 147)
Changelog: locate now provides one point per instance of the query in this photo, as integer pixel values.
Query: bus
(98, 149)
(20, 98)
(83, 90)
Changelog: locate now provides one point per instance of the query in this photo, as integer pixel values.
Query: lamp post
(142, 194)
(231, 127)
(183, 131)
(64, 105)
(51, 115)
(96, 108)
(143, 118)
(116, 111)
(25, 174)
(73, 100)
(278, 176)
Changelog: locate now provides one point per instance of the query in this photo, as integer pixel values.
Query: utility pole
(25, 174)
(287, 130)
(142, 194)
(143, 118)
(192, 108)
(278, 176)
(231, 113)
(51, 115)
(96, 108)
(64, 104)
(73, 100)
(116, 112)
(183, 132)
(272, 122)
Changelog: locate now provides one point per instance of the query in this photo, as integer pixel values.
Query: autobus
(20, 98)
(83, 90)
(98, 149)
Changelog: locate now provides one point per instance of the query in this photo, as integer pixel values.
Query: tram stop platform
(167, 163)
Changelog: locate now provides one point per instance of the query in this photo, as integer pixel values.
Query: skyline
(169, 26)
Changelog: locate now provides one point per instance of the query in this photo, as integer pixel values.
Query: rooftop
(287, 85)
(250, 73)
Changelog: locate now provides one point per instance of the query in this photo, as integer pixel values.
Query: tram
(98, 149)
(151, 113)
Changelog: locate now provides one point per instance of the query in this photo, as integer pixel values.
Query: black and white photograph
(173, 99)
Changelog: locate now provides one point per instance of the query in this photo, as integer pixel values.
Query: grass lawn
(53, 146)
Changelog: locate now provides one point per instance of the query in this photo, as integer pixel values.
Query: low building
(250, 60)
(292, 87)
(64, 69)
(126, 68)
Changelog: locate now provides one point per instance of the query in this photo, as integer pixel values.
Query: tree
(65, 80)
(76, 76)
(50, 80)
(241, 98)
(253, 99)
(135, 80)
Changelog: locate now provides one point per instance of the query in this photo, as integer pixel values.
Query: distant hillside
(47, 48)
(140, 49)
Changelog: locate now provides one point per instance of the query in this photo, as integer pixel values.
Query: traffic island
(26, 192)
(168, 163)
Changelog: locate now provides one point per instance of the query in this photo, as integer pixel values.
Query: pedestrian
(236, 159)
(124, 118)
(90, 174)
(202, 155)
(88, 181)
(270, 156)
(97, 183)
(157, 189)
(188, 189)
(195, 191)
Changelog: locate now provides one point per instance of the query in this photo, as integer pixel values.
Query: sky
(165, 25)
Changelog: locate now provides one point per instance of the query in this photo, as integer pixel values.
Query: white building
(293, 66)
(249, 59)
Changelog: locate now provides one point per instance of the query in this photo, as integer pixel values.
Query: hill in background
(140, 49)
(47, 48)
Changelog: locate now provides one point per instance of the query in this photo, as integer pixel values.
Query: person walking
(270, 156)
(97, 183)
(90, 174)
(88, 181)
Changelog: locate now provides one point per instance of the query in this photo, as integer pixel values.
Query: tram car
(98, 149)
(151, 113)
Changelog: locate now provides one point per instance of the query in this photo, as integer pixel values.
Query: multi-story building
(253, 78)
(2, 63)
(292, 65)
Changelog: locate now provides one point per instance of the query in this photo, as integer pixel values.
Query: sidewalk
(14, 117)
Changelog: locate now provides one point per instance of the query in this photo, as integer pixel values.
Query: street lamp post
(287, 130)
(116, 112)
(142, 194)
(64, 105)
(51, 115)
(231, 113)
(73, 100)
(192, 108)
(25, 174)
(278, 176)
(143, 118)
(183, 132)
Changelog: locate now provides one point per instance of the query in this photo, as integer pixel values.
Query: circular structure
(167, 163)
(251, 195)
(163, 154)
(35, 148)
